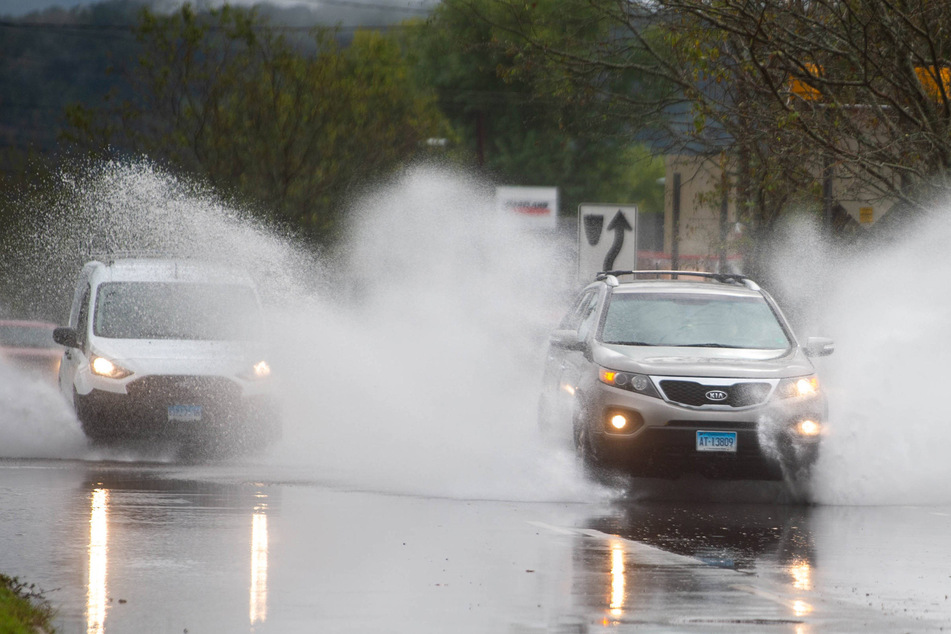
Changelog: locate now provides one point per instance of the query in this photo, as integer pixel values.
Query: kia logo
(717, 395)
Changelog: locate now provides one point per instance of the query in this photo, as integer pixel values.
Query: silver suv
(684, 372)
(165, 348)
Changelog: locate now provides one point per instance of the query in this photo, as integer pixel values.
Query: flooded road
(150, 547)
(411, 492)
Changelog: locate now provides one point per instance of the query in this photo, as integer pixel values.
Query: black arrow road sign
(619, 225)
(593, 223)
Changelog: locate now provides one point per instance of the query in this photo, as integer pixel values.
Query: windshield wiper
(704, 345)
(630, 343)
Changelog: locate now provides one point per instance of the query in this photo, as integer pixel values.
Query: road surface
(244, 546)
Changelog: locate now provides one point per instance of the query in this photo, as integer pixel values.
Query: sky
(402, 8)
(22, 7)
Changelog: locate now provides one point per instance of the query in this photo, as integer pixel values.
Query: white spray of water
(409, 362)
(426, 376)
(889, 313)
(34, 421)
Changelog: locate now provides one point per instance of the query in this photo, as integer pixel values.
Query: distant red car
(29, 346)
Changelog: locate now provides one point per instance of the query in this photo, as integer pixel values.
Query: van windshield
(177, 310)
(692, 320)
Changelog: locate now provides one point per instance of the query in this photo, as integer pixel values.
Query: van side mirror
(567, 339)
(819, 347)
(66, 337)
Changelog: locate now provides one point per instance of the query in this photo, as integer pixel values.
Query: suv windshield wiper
(704, 345)
(629, 343)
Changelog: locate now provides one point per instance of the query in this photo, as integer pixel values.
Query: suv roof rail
(725, 278)
(111, 256)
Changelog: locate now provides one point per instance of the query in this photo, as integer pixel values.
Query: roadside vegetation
(297, 122)
(588, 95)
(23, 608)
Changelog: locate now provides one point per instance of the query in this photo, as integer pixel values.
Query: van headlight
(258, 371)
(798, 387)
(101, 366)
(630, 381)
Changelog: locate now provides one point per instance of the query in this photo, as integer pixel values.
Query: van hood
(159, 356)
(704, 362)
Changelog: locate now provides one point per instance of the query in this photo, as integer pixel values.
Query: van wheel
(92, 430)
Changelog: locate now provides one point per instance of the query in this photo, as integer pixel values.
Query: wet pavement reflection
(679, 565)
(125, 547)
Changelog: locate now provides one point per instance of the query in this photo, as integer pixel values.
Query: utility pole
(827, 194)
(675, 231)
(724, 212)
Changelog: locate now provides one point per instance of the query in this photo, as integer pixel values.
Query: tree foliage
(782, 90)
(522, 124)
(220, 95)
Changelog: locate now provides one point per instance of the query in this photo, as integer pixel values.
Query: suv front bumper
(662, 437)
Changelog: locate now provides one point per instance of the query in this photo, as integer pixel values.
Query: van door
(75, 358)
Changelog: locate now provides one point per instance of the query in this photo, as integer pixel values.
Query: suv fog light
(622, 421)
(808, 428)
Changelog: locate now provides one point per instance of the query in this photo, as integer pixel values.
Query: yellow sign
(934, 80)
(867, 215)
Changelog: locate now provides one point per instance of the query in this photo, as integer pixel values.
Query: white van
(161, 348)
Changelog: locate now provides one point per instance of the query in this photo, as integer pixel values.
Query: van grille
(184, 389)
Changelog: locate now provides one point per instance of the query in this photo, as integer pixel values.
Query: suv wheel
(583, 446)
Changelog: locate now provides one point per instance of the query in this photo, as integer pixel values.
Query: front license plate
(184, 413)
(716, 441)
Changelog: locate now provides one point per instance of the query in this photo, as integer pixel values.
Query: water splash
(425, 371)
(409, 359)
(34, 421)
(887, 312)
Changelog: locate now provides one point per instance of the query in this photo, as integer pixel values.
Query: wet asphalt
(244, 547)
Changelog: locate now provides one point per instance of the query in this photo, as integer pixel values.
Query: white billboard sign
(537, 206)
(607, 238)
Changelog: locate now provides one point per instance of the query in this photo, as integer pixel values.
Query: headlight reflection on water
(617, 600)
(98, 559)
(801, 573)
(96, 587)
(259, 547)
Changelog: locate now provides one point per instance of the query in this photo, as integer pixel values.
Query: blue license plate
(184, 413)
(716, 441)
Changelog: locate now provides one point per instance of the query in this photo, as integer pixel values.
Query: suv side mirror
(567, 339)
(66, 337)
(819, 347)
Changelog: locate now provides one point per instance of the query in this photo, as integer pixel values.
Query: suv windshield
(682, 319)
(177, 310)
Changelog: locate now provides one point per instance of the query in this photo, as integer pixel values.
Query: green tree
(295, 128)
(522, 124)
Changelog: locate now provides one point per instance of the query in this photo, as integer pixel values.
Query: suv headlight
(630, 381)
(798, 386)
(101, 366)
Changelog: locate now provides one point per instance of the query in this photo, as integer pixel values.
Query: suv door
(565, 362)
